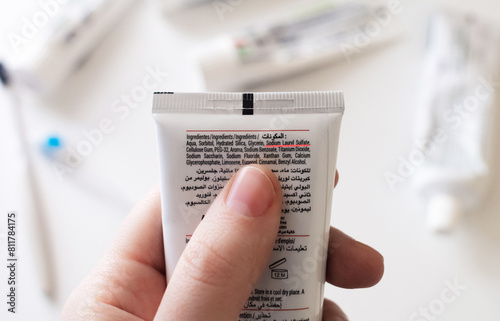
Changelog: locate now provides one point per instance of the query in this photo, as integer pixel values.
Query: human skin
(218, 268)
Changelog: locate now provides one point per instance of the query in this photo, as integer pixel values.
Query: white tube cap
(444, 212)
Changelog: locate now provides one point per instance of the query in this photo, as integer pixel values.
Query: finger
(228, 251)
(332, 312)
(129, 281)
(140, 237)
(352, 264)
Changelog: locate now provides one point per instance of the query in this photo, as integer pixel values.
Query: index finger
(352, 264)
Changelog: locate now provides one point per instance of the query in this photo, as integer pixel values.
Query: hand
(218, 268)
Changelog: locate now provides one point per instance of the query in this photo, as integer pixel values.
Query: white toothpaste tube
(204, 138)
(75, 28)
(454, 126)
(172, 5)
(314, 35)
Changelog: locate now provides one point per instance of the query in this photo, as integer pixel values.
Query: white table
(86, 207)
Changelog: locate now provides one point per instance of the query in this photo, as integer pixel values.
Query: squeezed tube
(455, 112)
(69, 40)
(172, 5)
(312, 36)
(204, 138)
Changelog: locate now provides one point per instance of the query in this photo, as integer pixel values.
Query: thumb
(228, 251)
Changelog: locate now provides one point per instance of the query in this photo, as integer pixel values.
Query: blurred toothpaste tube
(454, 125)
(315, 35)
(51, 51)
(171, 5)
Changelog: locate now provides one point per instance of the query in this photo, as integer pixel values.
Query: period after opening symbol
(278, 273)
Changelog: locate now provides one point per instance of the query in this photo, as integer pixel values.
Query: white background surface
(86, 208)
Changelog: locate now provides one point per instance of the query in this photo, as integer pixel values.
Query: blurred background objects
(420, 79)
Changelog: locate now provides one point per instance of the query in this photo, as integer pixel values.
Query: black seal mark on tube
(247, 104)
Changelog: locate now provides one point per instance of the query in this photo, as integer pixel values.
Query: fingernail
(252, 192)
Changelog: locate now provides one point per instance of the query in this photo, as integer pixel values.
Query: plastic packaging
(314, 35)
(172, 5)
(75, 28)
(455, 112)
(204, 138)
